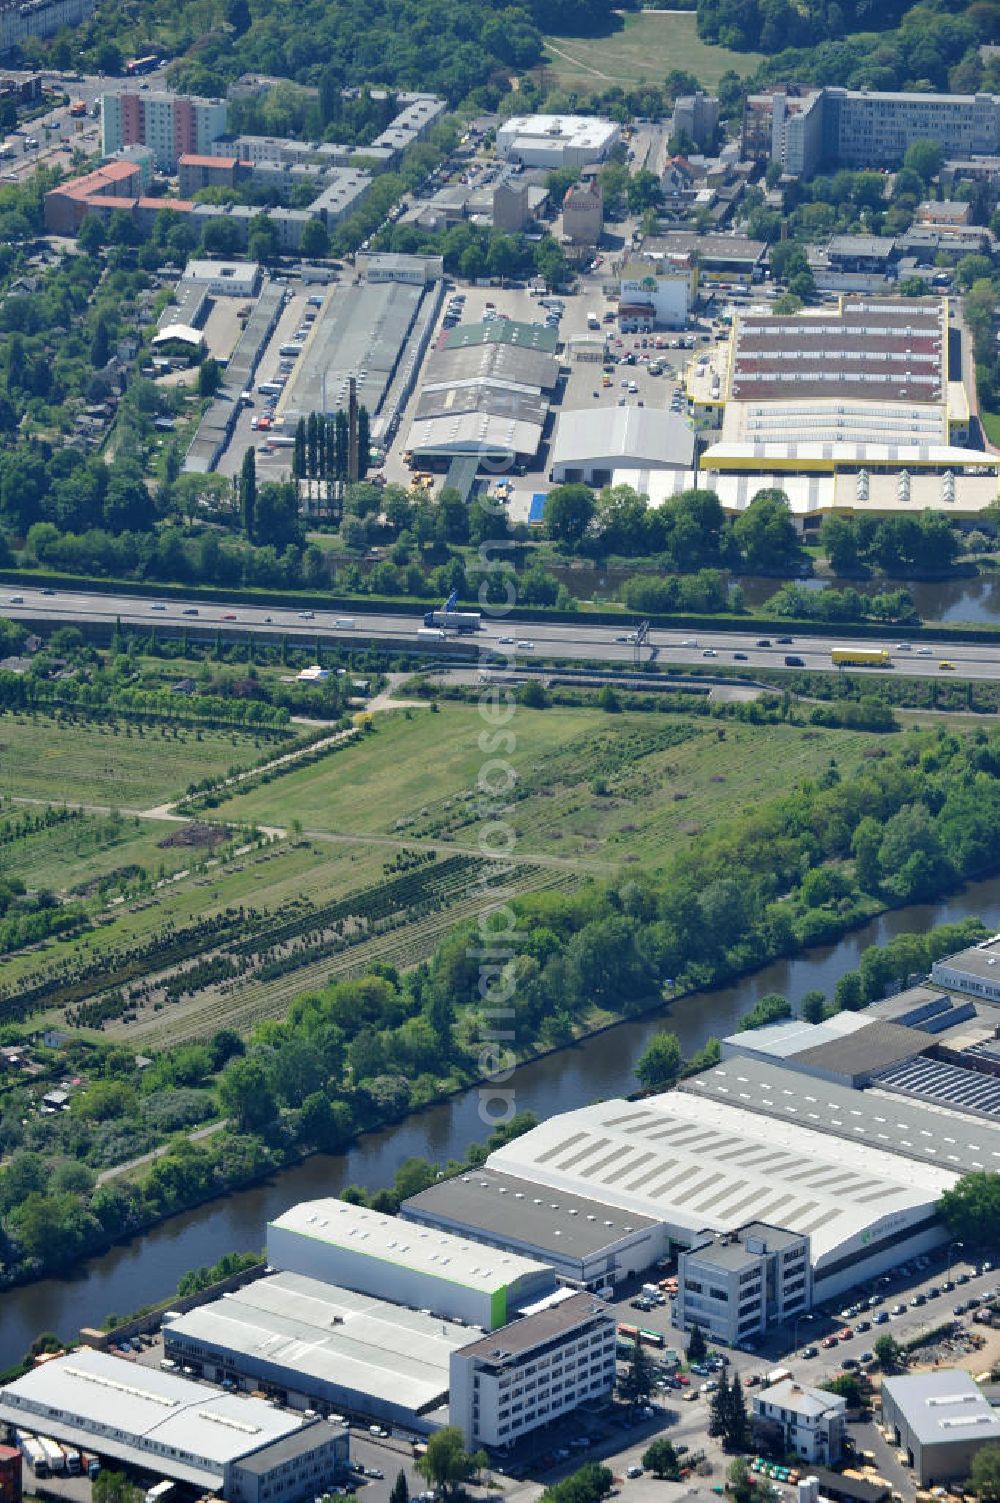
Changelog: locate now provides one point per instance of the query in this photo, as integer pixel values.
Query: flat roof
(708, 247)
(534, 1330)
(730, 1250)
(507, 1206)
(330, 1335)
(981, 961)
(874, 1117)
(875, 1046)
(696, 1162)
(360, 332)
(944, 1407)
(160, 1413)
(440, 1254)
(288, 1448)
(640, 435)
(872, 247)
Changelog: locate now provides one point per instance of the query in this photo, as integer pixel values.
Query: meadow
(646, 48)
(594, 788)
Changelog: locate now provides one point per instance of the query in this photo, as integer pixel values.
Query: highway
(512, 642)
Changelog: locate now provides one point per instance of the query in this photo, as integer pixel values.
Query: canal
(147, 1267)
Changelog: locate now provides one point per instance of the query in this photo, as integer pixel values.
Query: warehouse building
(696, 1163)
(736, 1284)
(556, 140)
(530, 1373)
(588, 1243)
(410, 1265)
(239, 1446)
(907, 1128)
(317, 1346)
(940, 1419)
(590, 445)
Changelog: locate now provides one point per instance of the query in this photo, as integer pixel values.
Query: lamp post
(798, 1321)
(951, 1253)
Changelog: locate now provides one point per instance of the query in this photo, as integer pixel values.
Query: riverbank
(598, 1062)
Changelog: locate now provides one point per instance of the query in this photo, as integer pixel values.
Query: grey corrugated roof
(872, 1048)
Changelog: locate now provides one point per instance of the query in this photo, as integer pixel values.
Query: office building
(410, 1265)
(527, 1374)
(321, 1347)
(511, 207)
(736, 1284)
(805, 129)
(393, 266)
(556, 140)
(940, 1419)
(224, 278)
(808, 1421)
(173, 125)
(165, 1424)
(589, 1243)
(195, 172)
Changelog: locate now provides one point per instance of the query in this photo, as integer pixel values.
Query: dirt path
(156, 1153)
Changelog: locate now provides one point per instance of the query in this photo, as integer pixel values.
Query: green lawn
(589, 787)
(991, 423)
(82, 762)
(646, 48)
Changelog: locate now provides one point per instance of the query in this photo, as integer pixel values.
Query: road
(546, 641)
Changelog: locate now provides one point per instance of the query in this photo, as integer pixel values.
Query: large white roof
(423, 1249)
(91, 1394)
(638, 436)
(333, 1336)
(696, 1163)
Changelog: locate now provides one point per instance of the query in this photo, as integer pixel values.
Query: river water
(148, 1267)
(974, 599)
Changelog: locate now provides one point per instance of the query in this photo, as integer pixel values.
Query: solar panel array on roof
(933, 1080)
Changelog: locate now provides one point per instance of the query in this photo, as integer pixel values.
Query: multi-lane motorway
(503, 638)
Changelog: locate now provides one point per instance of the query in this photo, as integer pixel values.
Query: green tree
(765, 534)
(114, 1487)
(400, 1489)
(769, 1009)
(887, 1350)
(209, 377)
(568, 513)
(245, 1095)
(660, 1062)
(697, 1349)
(248, 492)
(971, 1208)
(718, 1411)
(925, 158)
(984, 1475)
(446, 1464)
(315, 239)
(660, 1458)
(636, 1383)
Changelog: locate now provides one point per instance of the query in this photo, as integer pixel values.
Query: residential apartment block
(173, 125)
(527, 1374)
(736, 1284)
(804, 129)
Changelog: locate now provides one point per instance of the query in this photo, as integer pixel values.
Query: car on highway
(783, 641)
(505, 641)
(710, 652)
(48, 592)
(524, 645)
(229, 616)
(763, 642)
(307, 615)
(190, 610)
(157, 607)
(904, 646)
(924, 652)
(946, 667)
(739, 657)
(17, 600)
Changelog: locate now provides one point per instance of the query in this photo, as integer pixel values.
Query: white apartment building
(809, 1421)
(736, 1284)
(559, 1355)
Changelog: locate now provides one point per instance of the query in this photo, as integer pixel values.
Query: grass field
(646, 48)
(590, 787)
(81, 762)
